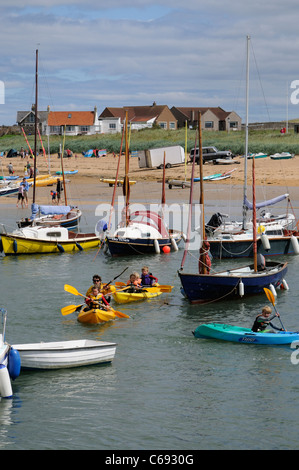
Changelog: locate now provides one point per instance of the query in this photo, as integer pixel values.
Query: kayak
(96, 315)
(124, 297)
(244, 335)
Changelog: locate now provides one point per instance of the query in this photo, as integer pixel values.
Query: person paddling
(263, 320)
(147, 279)
(96, 299)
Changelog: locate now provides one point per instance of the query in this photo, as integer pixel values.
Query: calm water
(165, 389)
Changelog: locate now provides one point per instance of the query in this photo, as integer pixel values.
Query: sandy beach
(85, 187)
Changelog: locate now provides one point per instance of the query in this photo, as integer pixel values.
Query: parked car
(210, 153)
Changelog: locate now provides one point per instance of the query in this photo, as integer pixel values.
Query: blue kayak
(238, 334)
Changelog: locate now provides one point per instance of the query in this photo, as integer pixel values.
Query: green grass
(268, 141)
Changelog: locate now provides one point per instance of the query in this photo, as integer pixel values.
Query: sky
(133, 52)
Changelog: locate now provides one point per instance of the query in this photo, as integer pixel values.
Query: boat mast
(36, 123)
(246, 136)
(202, 251)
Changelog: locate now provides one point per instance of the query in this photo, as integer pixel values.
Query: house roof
(135, 113)
(21, 115)
(71, 118)
(190, 112)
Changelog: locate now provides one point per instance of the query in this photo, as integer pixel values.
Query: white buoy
(5, 384)
(174, 245)
(241, 289)
(184, 237)
(273, 290)
(284, 285)
(265, 242)
(157, 246)
(295, 244)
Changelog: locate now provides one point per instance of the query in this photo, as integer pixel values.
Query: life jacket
(148, 279)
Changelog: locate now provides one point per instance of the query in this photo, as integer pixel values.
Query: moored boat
(10, 363)
(39, 239)
(242, 335)
(49, 216)
(65, 354)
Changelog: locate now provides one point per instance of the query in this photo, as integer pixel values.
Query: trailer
(154, 158)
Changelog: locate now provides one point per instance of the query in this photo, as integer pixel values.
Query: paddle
(73, 290)
(106, 285)
(69, 309)
(271, 298)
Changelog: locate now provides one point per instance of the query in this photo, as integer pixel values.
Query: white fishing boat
(65, 354)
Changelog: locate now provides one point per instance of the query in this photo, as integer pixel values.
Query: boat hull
(237, 334)
(135, 246)
(95, 316)
(127, 297)
(17, 245)
(65, 354)
(204, 288)
(244, 248)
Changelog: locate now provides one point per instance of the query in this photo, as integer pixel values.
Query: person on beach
(10, 168)
(263, 320)
(53, 194)
(147, 279)
(58, 190)
(20, 196)
(25, 185)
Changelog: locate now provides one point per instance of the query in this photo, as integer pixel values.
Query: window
(172, 125)
(69, 116)
(163, 125)
(112, 125)
(209, 125)
(84, 128)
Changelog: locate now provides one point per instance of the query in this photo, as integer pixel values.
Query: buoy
(241, 289)
(14, 363)
(166, 249)
(174, 245)
(60, 248)
(273, 290)
(15, 246)
(295, 244)
(284, 285)
(5, 385)
(157, 246)
(265, 241)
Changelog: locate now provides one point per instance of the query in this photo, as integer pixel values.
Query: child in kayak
(134, 283)
(96, 300)
(263, 320)
(147, 279)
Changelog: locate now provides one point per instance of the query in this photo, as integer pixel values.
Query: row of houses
(139, 117)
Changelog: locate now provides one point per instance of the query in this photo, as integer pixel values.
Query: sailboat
(204, 287)
(143, 231)
(277, 235)
(46, 215)
(35, 238)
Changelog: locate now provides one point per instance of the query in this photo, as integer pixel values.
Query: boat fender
(15, 246)
(60, 248)
(273, 290)
(241, 289)
(5, 384)
(14, 363)
(295, 244)
(265, 242)
(79, 246)
(174, 244)
(1, 245)
(284, 285)
(157, 246)
(184, 237)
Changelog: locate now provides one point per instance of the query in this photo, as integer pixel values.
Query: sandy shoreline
(86, 188)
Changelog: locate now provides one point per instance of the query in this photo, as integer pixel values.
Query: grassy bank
(268, 141)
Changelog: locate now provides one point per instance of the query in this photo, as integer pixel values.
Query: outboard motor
(214, 222)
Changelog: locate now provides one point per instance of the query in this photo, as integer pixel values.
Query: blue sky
(135, 52)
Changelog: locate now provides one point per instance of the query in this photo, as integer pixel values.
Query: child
(147, 279)
(263, 320)
(21, 196)
(96, 299)
(53, 194)
(134, 280)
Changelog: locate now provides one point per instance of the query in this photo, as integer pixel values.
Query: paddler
(95, 300)
(147, 279)
(263, 320)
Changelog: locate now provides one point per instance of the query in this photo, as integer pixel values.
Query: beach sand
(85, 187)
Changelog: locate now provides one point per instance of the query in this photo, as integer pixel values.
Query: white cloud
(115, 54)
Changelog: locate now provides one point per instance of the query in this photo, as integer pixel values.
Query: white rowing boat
(65, 354)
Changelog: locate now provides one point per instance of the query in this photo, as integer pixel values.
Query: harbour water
(165, 389)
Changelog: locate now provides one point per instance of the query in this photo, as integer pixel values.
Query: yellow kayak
(95, 316)
(111, 182)
(124, 297)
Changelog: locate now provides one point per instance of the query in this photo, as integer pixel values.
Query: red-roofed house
(213, 119)
(74, 122)
(141, 117)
